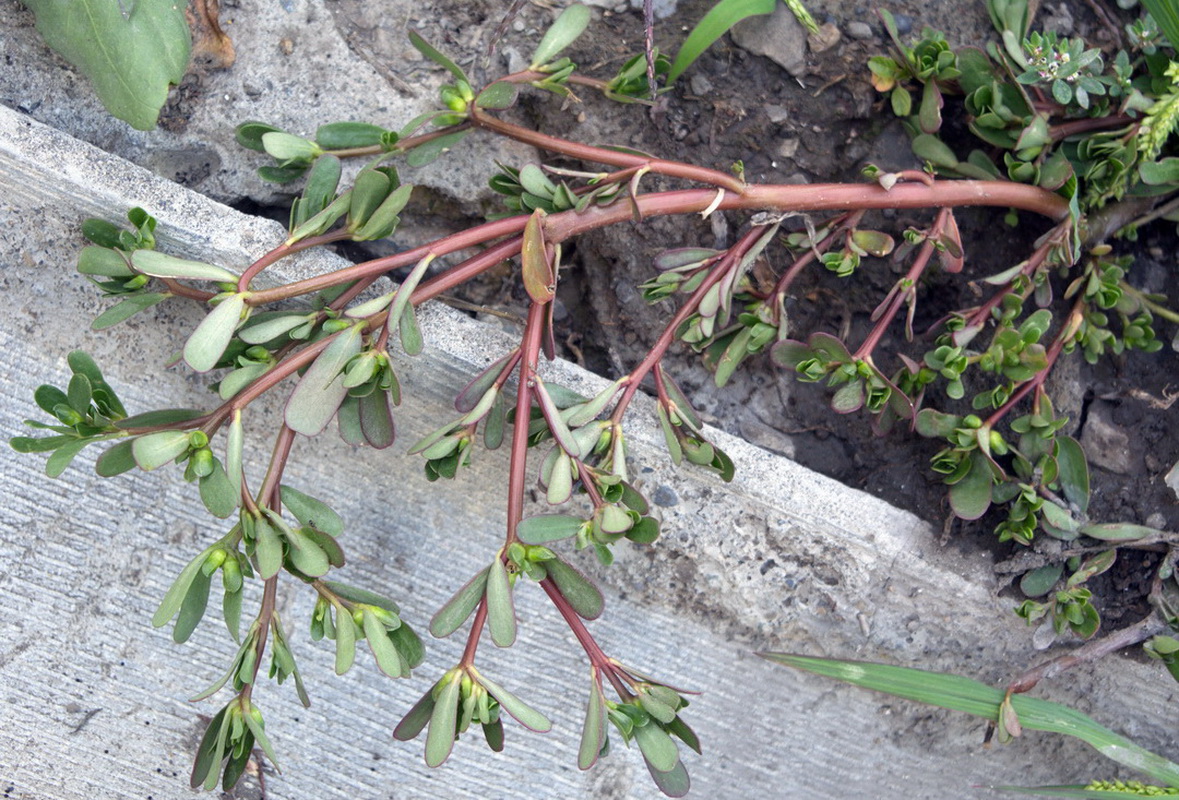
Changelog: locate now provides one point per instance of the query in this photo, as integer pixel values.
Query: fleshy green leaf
(179, 589)
(321, 390)
(1118, 531)
(192, 608)
(426, 49)
(162, 265)
(345, 135)
(585, 598)
(501, 611)
(204, 347)
(674, 782)
(563, 32)
(267, 548)
(971, 497)
(355, 594)
(115, 460)
(345, 641)
(127, 308)
(498, 95)
(209, 752)
(1038, 582)
(104, 262)
(429, 152)
(459, 608)
(388, 659)
(548, 528)
(311, 512)
(523, 713)
(415, 719)
(218, 493)
(657, 746)
(440, 738)
(63, 456)
(593, 733)
(154, 450)
(1073, 471)
(131, 52)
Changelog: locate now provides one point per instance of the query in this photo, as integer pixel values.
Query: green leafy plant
(343, 349)
(131, 52)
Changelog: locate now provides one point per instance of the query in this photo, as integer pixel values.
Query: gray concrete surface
(93, 699)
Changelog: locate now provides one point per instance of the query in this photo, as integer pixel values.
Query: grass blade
(957, 693)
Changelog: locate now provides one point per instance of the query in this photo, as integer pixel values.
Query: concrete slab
(93, 700)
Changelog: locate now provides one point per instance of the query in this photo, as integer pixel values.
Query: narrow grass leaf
(720, 19)
(958, 693)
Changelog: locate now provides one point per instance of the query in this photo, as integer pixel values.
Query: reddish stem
(840, 226)
(474, 634)
(602, 155)
(598, 659)
(517, 470)
(635, 379)
(911, 278)
(284, 250)
(567, 224)
(1035, 381)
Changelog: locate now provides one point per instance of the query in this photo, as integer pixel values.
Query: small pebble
(787, 148)
(904, 23)
(859, 30)
(777, 114)
(700, 85)
(665, 496)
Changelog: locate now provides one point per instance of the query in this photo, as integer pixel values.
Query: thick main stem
(568, 224)
(517, 471)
